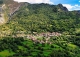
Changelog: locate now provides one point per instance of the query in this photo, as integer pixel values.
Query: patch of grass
(21, 48)
(72, 46)
(77, 30)
(5, 53)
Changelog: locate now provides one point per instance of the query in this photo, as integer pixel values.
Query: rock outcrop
(62, 7)
(12, 6)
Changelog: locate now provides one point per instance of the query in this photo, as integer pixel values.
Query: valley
(38, 30)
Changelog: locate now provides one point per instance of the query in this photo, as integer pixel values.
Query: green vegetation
(5, 53)
(18, 47)
(33, 19)
(43, 18)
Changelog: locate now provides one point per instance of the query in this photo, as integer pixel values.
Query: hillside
(43, 18)
(12, 6)
(39, 30)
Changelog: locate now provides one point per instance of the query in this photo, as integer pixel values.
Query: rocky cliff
(62, 7)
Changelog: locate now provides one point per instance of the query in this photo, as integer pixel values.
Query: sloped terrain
(40, 18)
(12, 6)
(40, 30)
(2, 20)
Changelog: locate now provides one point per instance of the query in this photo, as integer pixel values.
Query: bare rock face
(62, 7)
(12, 6)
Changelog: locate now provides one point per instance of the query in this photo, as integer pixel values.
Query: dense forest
(35, 19)
(43, 18)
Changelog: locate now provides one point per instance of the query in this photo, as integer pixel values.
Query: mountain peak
(62, 7)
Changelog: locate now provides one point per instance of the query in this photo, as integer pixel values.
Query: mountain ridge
(14, 6)
(45, 15)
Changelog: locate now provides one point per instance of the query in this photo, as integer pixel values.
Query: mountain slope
(42, 18)
(39, 30)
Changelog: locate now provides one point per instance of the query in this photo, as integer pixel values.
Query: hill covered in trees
(43, 18)
(40, 30)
